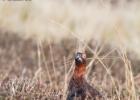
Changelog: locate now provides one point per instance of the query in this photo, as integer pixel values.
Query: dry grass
(37, 45)
(31, 70)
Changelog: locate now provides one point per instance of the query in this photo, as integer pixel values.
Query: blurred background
(98, 19)
(39, 37)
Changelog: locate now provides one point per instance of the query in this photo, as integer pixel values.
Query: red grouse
(79, 88)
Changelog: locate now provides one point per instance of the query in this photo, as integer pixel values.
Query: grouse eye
(84, 56)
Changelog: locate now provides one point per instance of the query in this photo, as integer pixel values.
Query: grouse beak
(79, 60)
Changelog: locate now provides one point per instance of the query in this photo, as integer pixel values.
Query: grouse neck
(79, 71)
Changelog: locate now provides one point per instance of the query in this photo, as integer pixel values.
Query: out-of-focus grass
(100, 20)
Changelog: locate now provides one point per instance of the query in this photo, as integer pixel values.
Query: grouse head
(80, 58)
